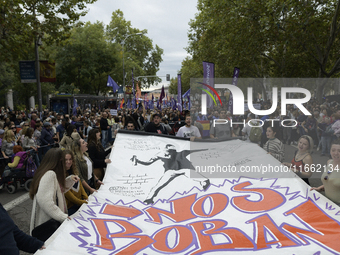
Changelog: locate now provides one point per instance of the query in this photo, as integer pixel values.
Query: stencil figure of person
(175, 164)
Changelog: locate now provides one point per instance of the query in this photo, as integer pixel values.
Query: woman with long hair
(48, 187)
(76, 196)
(302, 158)
(97, 153)
(331, 178)
(273, 145)
(8, 142)
(84, 166)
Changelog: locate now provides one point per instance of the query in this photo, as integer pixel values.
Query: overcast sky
(165, 21)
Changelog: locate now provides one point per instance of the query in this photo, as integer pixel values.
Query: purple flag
(235, 78)
(151, 102)
(162, 95)
(128, 106)
(186, 93)
(179, 92)
(75, 106)
(173, 104)
(112, 83)
(208, 78)
(133, 83)
(134, 102)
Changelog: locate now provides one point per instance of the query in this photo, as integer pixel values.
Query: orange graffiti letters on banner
(270, 199)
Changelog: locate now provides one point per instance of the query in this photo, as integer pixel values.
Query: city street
(19, 205)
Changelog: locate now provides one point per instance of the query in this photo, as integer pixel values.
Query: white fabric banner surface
(163, 195)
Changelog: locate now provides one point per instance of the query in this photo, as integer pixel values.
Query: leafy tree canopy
(139, 52)
(268, 38)
(85, 59)
(22, 20)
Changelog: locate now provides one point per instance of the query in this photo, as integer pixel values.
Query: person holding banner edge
(85, 165)
(302, 158)
(47, 191)
(331, 178)
(12, 239)
(76, 196)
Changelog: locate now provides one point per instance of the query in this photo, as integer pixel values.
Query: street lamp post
(37, 71)
(123, 44)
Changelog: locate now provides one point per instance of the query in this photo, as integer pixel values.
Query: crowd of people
(67, 175)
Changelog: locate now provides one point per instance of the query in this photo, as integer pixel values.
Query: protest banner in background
(149, 205)
(208, 78)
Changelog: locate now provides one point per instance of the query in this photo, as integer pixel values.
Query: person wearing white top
(48, 187)
(188, 130)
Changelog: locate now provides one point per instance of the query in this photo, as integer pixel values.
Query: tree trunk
(320, 87)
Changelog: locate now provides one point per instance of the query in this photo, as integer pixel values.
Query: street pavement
(19, 206)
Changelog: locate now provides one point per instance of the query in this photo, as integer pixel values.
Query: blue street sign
(27, 71)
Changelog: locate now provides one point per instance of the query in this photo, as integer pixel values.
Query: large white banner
(164, 195)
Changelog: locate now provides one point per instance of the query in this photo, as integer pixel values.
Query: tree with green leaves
(21, 21)
(139, 52)
(189, 69)
(85, 59)
(268, 38)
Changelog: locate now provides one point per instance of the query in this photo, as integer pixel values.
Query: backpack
(30, 167)
(255, 134)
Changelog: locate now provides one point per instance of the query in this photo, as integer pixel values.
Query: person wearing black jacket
(12, 239)
(46, 137)
(155, 126)
(97, 153)
(104, 127)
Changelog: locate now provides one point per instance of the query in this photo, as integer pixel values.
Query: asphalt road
(19, 205)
